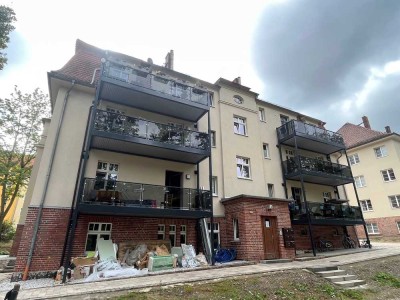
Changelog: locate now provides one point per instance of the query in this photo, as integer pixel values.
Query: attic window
(238, 99)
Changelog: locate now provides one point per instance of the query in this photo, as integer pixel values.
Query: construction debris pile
(132, 259)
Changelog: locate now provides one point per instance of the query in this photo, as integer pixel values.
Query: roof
(355, 135)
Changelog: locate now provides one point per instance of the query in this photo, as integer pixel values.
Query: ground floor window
(161, 232)
(372, 228)
(216, 238)
(235, 229)
(96, 231)
(183, 234)
(398, 226)
(172, 235)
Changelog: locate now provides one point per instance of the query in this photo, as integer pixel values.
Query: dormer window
(238, 99)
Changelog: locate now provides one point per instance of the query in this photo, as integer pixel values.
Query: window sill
(244, 178)
(245, 135)
(269, 158)
(236, 241)
(215, 195)
(264, 121)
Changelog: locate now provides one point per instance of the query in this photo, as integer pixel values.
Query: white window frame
(372, 228)
(99, 232)
(109, 170)
(161, 231)
(360, 181)
(214, 187)
(183, 234)
(266, 151)
(389, 175)
(327, 195)
(216, 231)
(241, 164)
(284, 119)
(212, 100)
(236, 234)
(270, 189)
(213, 139)
(398, 226)
(172, 232)
(261, 114)
(354, 159)
(239, 125)
(380, 151)
(395, 199)
(366, 205)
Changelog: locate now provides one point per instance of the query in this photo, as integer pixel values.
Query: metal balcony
(310, 137)
(127, 134)
(326, 214)
(138, 87)
(317, 171)
(138, 199)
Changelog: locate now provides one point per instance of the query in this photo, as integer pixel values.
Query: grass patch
(353, 294)
(387, 279)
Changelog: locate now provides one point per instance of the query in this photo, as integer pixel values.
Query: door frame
(273, 221)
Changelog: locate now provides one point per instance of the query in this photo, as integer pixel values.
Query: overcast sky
(335, 60)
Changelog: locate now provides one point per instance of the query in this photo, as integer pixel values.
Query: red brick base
(17, 240)
(387, 227)
(333, 234)
(249, 212)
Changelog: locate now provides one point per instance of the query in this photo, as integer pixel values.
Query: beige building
(136, 151)
(374, 157)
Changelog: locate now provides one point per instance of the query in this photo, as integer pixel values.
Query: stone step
(322, 268)
(350, 283)
(341, 278)
(11, 262)
(331, 273)
(275, 261)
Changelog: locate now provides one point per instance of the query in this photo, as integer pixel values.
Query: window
(289, 154)
(284, 119)
(216, 238)
(243, 167)
(261, 114)
(211, 99)
(161, 232)
(236, 229)
(106, 175)
(354, 159)
(213, 141)
(270, 190)
(238, 99)
(388, 175)
(380, 152)
(327, 195)
(366, 205)
(398, 226)
(266, 150)
(172, 235)
(359, 181)
(214, 186)
(372, 228)
(96, 231)
(395, 201)
(183, 234)
(239, 125)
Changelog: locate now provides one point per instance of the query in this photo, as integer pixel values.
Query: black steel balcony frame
(309, 137)
(316, 171)
(122, 198)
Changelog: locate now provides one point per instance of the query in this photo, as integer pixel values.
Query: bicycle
(323, 245)
(348, 242)
(364, 244)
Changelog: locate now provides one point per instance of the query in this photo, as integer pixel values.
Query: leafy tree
(20, 124)
(7, 17)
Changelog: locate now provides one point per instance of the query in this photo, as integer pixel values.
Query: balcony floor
(319, 178)
(150, 100)
(307, 142)
(121, 210)
(328, 221)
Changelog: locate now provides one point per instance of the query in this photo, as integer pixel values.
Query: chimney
(387, 128)
(169, 60)
(366, 122)
(237, 80)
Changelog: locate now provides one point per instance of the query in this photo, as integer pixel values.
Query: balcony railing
(319, 210)
(302, 164)
(129, 194)
(144, 78)
(124, 125)
(295, 127)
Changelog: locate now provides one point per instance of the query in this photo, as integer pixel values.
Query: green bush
(7, 232)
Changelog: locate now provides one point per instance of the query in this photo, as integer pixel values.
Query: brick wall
(49, 242)
(387, 227)
(249, 212)
(17, 240)
(333, 234)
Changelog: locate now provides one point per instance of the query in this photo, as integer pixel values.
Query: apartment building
(137, 151)
(374, 157)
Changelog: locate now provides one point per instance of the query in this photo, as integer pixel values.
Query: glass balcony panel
(319, 210)
(182, 91)
(162, 85)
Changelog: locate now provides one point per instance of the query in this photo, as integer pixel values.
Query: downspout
(46, 184)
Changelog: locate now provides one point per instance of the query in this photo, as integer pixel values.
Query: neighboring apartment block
(136, 151)
(374, 157)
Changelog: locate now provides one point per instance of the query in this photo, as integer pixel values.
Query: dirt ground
(294, 284)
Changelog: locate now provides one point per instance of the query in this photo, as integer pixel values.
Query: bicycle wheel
(352, 243)
(328, 245)
(345, 244)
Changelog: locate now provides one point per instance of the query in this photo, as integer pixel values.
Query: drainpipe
(46, 184)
